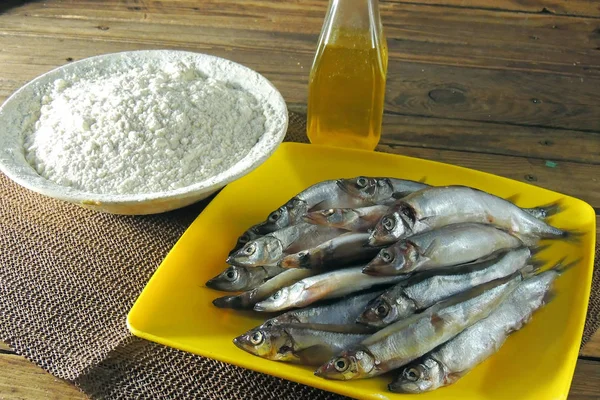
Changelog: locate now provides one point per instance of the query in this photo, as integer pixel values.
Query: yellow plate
(175, 307)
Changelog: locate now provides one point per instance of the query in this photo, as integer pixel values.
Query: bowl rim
(209, 184)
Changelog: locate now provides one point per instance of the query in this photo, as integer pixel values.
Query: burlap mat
(68, 277)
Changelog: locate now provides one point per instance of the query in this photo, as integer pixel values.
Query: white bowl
(15, 166)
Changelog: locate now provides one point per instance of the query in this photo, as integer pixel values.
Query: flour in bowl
(153, 127)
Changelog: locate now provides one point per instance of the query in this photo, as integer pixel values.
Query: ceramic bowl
(16, 167)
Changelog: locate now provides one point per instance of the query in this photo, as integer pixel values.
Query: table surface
(509, 87)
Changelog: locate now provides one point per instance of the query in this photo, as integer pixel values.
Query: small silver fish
(298, 343)
(435, 207)
(455, 358)
(347, 249)
(329, 285)
(236, 279)
(339, 312)
(375, 190)
(400, 343)
(248, 299)
(443, 247)
(271, 248)
(418, 293)
(360, 219)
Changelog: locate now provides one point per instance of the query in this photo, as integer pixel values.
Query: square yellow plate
(175, 307)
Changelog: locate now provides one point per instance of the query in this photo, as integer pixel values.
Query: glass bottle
(347, 81)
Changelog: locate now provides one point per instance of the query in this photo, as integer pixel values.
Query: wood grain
(574, 179)
(544, 7)
(592, 348)
(20, 379)
(429, 93)
(421, 83)
(421, 33)
(585, 381)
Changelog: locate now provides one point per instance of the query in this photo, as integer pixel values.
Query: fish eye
(386, 256)
(382, 310)
(362, 182)
(329, 212)
(412, 374)
(257, 338)
(340, 365)
(249, 250)
(231, 275)
(275, 215)
(388, 223)
(276, 295)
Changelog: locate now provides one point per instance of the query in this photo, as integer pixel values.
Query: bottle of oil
(347, 80)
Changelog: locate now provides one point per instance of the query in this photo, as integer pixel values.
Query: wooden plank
(588, 8)
(586, 381)
(288, 71)
(21, 379)
(574, 179)
(420, 33)
(592, 348)
(492, 138)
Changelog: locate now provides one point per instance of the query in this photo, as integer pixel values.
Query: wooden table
(508, 87)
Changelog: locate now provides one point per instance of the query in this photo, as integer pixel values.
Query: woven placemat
(68, 277)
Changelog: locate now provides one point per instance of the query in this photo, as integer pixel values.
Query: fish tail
(536, 264)
(549, 296)
(538, 248)
(549, 210)
(560, 267)
(572, 236)
(530, 269)
(546, 211)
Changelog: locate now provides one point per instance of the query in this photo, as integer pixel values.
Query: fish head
(245, 237)
(418, 378)
(278, 300)
(350, 364)
(390, 228)
(370, 190)
(265, 250)
(232, 279)
(266, 343)
(393, 260)
(278, 219)
(380, 312)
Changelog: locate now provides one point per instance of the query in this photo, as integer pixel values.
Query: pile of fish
(381, 274)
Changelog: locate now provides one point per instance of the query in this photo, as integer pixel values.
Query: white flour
(141, 129)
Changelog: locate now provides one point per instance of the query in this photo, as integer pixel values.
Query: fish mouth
(260, 307)
(229, 302)
(212, 283)
(375, 268)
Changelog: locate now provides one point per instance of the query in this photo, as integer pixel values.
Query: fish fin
(537, 248)
(429, 250)
(400, 195)
(536, 263)
(546, 211)
(314, 355)
(549, 296)
(572, 236)
(560, 267)
(528, 271)
(454, 376)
